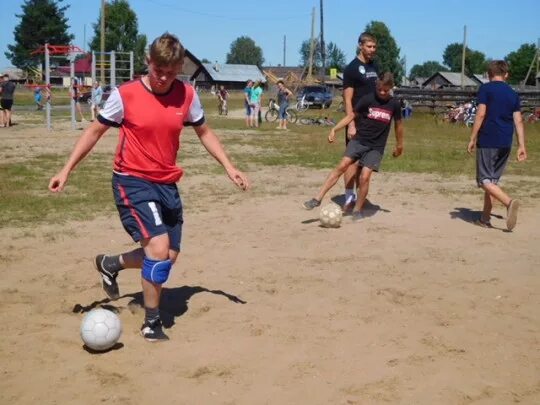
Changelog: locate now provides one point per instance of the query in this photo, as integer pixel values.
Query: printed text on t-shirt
(379, 114)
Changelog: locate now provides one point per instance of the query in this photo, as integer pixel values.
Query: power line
(228, 17)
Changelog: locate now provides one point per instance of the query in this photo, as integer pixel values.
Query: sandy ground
(414, 305)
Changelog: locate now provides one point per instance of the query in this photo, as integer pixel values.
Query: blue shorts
(283, 111)
(149, 209)
(248, 109)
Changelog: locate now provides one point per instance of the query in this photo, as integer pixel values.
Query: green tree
(387, 50)
(304, 54)
(427, 69)
(335, 57)
(42, 21)
(244, 51)
(139, 54)
(475, 61)
(519, 62)
(121, 34)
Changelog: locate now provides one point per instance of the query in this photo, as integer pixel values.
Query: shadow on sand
(174, 302)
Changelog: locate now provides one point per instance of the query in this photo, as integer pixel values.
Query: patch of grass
(429, 148)
(25, 200)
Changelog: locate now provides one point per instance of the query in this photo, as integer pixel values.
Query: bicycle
(273, 113)
(321, 121)
(532, 117)
(302, 104)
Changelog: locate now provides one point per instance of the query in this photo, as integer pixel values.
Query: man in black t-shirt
(359, 79)
(373, 114)
(7, 88)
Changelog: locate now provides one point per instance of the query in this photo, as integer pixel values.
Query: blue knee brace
(156, 271)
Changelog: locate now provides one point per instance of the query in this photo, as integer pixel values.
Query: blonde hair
(166, 50)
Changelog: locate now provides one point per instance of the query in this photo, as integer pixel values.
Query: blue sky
(422, 28)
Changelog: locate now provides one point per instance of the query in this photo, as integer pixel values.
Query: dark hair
(497, 68)
(280, 82)
(366, 37)
(386, 79)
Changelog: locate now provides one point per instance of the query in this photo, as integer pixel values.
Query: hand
(471, 147)
(398, 150)
(521, 154)
(332, 136)
(238, 178)
(351, 130)
(58, 182)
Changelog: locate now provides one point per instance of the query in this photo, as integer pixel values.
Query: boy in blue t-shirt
(498, 113)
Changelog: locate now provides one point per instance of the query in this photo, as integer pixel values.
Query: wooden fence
(437, 100)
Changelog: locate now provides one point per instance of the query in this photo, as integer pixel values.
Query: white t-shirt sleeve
(112, 113)
(195, 116)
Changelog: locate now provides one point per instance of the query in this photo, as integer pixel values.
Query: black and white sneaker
(110, 286)
(310, 204)
(153, 331)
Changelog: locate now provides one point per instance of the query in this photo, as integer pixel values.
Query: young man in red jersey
(151, 113)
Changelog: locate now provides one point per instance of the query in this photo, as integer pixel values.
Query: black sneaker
(153, 331)
(310, 204)
(110, 286)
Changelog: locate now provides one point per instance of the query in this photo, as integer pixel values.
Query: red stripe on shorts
(123, 194)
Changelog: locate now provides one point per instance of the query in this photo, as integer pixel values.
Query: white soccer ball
(330, 216)
(100, 329)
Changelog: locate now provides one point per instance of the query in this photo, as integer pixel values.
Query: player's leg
(369, 161)
(490, 164)
(8, 113)
(330, 181)
(349, 182)
(485, 218)
(363, 188)
(161, 253)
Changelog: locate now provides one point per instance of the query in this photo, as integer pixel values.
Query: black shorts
(6, 104)
(149, 209)
(490, 164)
(365, 155)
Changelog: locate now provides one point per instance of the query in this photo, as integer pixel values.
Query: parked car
(86, 96)
(320, 96)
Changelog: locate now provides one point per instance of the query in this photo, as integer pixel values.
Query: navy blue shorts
(149, 209)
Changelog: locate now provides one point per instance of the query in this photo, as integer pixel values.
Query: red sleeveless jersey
(150, 130)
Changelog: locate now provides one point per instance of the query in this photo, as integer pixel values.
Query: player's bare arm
(398, 129)
(212, 144)
(84, 145)
(341, 124)
(347, 102)
(478, 120)
(518, 123)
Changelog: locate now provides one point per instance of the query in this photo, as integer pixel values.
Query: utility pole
(538, 64)
(323, 48)
(311, 45)
(102, 42)
(463, 56)
(284, 50)
(534, 59)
